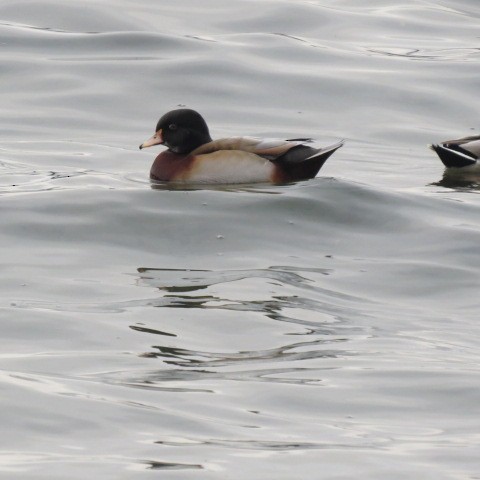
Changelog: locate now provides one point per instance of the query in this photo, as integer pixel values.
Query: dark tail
(452, 158)
(302, 162)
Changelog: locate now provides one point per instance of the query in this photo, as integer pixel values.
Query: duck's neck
(191, 142)
(198, 139)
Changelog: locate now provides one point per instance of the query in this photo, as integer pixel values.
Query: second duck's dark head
(181, 130)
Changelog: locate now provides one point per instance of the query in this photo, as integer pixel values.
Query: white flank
(231, 167)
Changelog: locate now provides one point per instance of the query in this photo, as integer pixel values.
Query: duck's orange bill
(157, 139)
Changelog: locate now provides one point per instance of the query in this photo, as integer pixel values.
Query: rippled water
(326, 329)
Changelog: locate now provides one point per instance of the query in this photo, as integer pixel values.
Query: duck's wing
(284, 160)
(468, 145)
(270, 148)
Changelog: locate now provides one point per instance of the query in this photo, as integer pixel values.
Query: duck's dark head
(181, 130)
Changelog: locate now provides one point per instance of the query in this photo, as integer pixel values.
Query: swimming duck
(464, 152)
(193, 157)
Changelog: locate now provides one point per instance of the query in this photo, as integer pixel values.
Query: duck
(193, 157)
(459, 154)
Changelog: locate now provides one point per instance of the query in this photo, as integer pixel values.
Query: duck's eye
(172, 126)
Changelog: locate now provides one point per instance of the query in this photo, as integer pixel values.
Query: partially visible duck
(464, 152)
(193, 157)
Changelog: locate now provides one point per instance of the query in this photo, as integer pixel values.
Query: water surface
(325, 329)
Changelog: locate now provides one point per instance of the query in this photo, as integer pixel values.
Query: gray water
(326, 329)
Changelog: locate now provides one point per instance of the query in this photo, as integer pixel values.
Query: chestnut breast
(169, 165)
